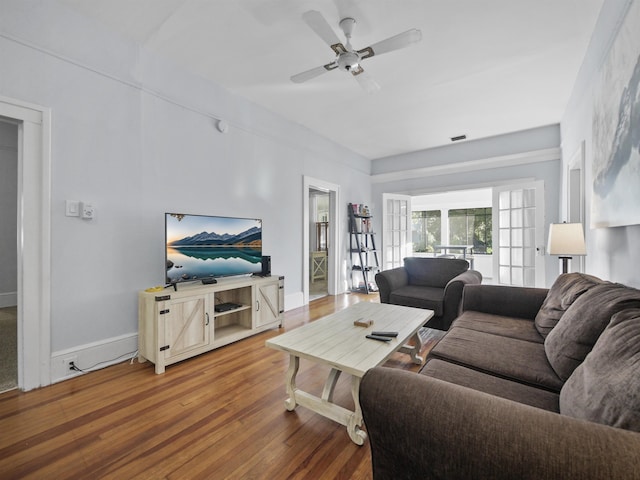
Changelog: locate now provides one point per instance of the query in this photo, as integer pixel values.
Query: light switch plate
(72, 208)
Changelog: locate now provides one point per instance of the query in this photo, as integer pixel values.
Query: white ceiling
(483, 67)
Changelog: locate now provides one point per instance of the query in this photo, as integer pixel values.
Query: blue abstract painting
(615, 199)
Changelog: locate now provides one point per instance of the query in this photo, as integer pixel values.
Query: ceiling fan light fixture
(347, 59)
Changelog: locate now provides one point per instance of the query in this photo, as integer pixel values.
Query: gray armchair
(432, 283)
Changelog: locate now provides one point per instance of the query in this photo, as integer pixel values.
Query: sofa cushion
(500, 387)
(512, 327)
(561, 295)
(419, 297)
(605, 388)
(510, 358)
(433, 272)
(578, 329)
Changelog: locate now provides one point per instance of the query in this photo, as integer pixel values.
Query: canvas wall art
(615, 199)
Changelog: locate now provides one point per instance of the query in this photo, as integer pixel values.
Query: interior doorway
(318, 243)
(8, 254)
(311, 187)
(33, 240)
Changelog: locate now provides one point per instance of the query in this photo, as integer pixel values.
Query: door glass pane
(516, 218)
(529, 238)
(505, 256)
(529, 217)
(516, 199)
(503, 202)
(505, 218)
(505, 237)
(516, 237)
(517, 277)
(516, 257)
(505, 275)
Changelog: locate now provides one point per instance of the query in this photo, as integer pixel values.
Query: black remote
(379, 338)
(385, 334)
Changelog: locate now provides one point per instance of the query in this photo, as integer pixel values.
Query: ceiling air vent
(459, 137)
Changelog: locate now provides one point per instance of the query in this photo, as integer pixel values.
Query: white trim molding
(515, 159)
(93, 356)
(34, 240)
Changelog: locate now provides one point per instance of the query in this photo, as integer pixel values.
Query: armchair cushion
(420, 297)
(605, 388)
(433, 272)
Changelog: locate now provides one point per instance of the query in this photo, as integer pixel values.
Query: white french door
(518, 234)
(396, 230)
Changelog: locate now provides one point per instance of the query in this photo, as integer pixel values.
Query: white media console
(178, 324)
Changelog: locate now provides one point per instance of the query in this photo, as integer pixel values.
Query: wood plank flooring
(217, 416)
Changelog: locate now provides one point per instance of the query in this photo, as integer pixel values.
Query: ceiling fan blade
(365, 80)
(313, 73)
(393, 43)
(318, 24)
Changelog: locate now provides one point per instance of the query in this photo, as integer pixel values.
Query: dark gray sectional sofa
(527, 383)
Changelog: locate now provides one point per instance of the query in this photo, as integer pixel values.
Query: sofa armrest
(452, 300)
(521, 302)
(424, 428)
(390, 280)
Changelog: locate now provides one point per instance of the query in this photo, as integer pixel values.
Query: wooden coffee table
(336, 342)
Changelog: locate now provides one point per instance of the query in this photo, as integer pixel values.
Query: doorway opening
(32, 240)
(498, 229)
(455, 224)
(317, 188)
(318, 243)
(9, 254)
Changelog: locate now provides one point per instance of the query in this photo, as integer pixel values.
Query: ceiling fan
(347, 58)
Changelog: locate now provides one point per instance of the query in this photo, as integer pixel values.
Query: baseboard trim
(93, 356)
(8, 299)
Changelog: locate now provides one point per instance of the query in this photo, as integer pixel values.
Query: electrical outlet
(67, 363)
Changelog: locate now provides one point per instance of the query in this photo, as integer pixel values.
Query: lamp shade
(566, 239)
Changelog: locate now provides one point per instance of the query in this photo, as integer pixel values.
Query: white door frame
(540, 222)
(34, 241)
(388, 242)
(335, 220)
(576, 198)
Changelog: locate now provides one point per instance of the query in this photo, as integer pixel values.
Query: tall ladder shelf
(362, 247)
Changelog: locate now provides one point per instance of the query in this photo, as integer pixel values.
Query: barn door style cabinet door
(177, 325)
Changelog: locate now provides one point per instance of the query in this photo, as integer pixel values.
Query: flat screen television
(200, 247)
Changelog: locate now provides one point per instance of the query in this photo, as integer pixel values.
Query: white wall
(514, 147)
(612, 253)
(136, 137)
(8, 213)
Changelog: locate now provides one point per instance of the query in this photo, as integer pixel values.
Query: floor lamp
(565, 240)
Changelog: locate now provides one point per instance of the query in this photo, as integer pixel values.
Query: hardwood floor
(219, 415)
